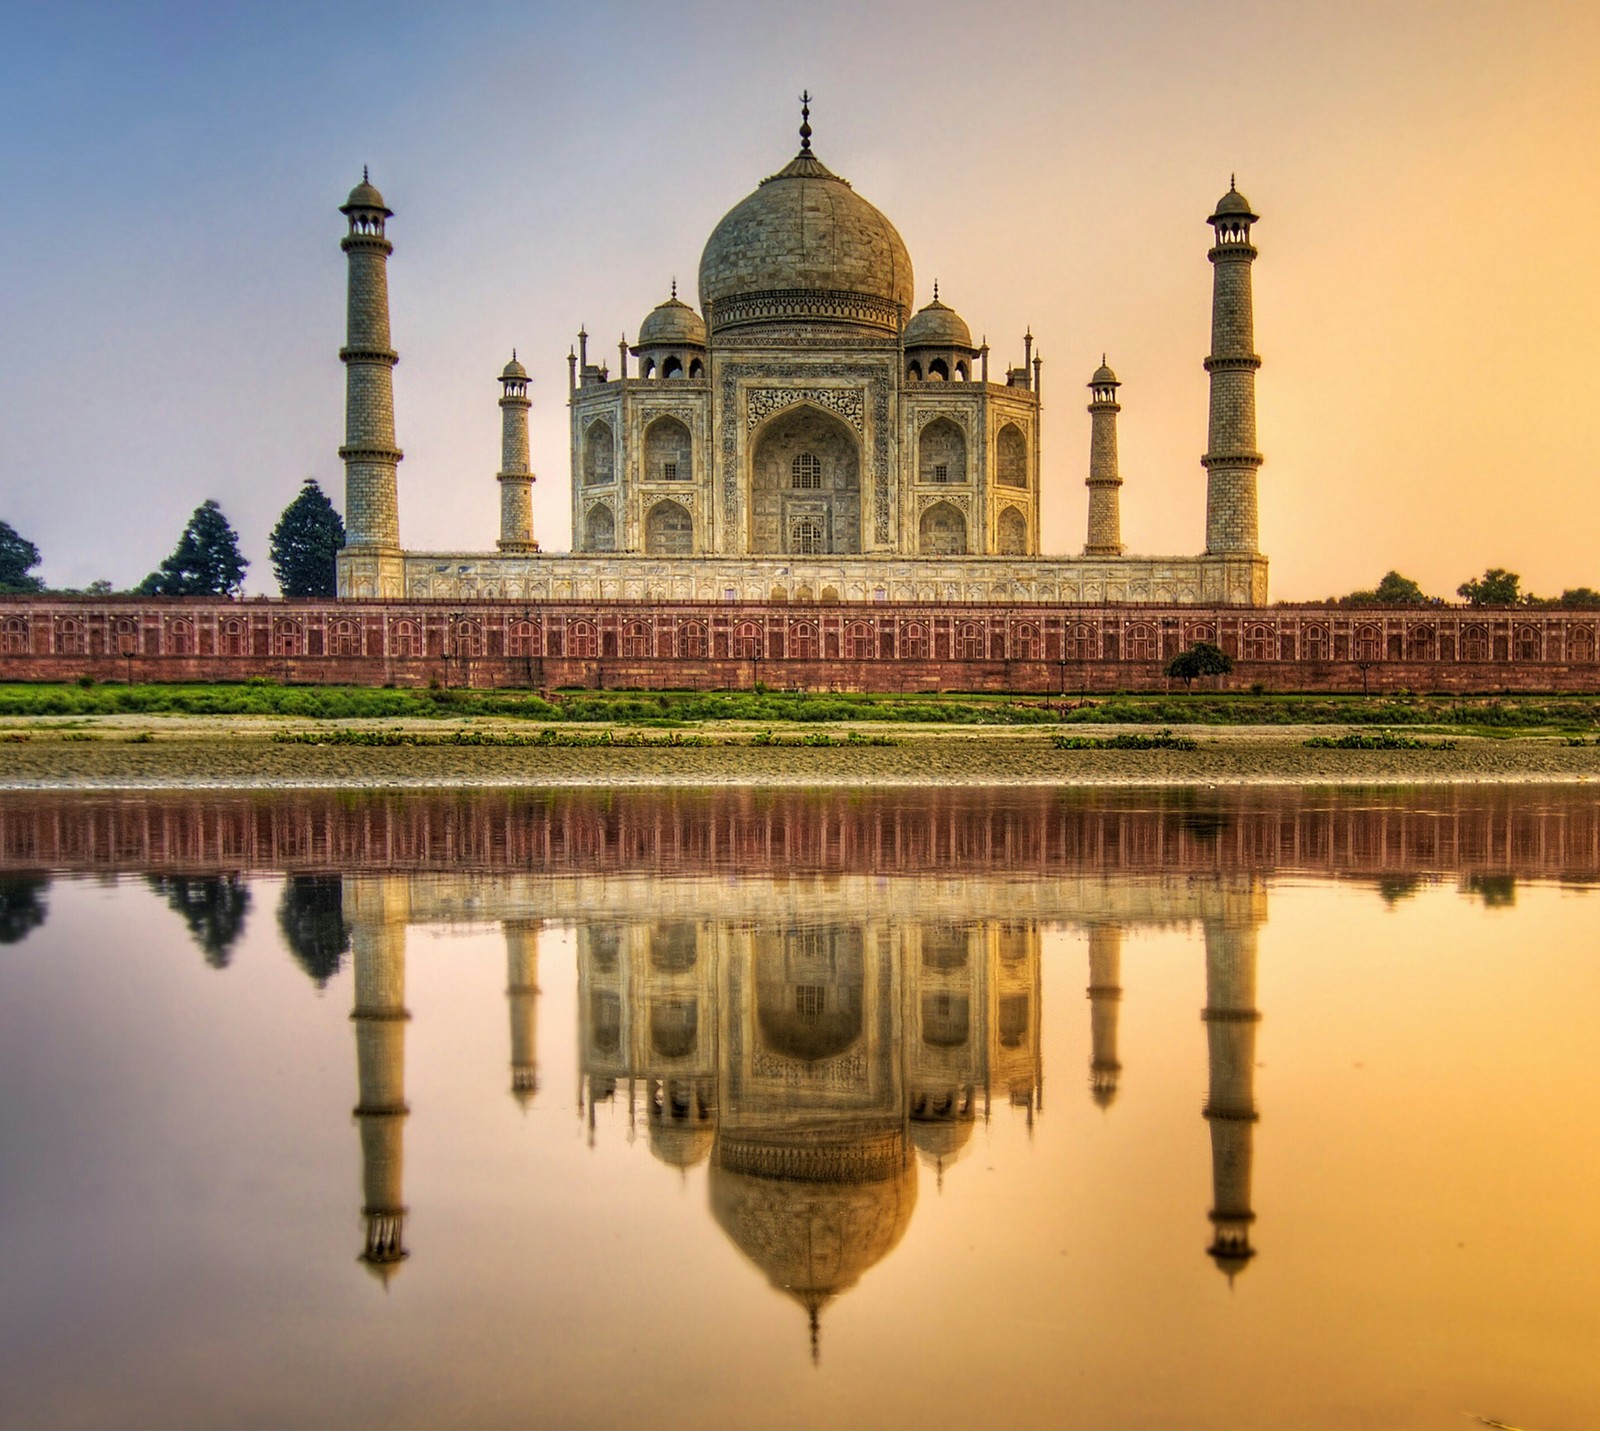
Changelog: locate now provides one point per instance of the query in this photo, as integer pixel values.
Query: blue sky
(171, 288)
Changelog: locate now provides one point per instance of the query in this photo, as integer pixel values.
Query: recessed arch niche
(781, 512)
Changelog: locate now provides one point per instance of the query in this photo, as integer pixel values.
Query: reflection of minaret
(1105, 993)
(1231, 1019)
(379, 944)
(522, 994)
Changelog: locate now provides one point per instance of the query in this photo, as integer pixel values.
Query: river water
(945, 1108)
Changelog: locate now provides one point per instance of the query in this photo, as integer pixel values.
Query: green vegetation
(1393, 590)
(1127, 740)
(206, 561)
(819, 737)
(18, 557)
(1375, 740)
(341, 735)
(1496, 587)
(303, 545)
(1568, 715)
(1201, 659)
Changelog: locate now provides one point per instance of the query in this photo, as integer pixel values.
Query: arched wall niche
(826, 515)
(942, 531)
(942, 452)
(1011, 457)
(599, 454)
(668, 451)
(669, 530)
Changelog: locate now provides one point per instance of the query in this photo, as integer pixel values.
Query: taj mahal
(807, 434)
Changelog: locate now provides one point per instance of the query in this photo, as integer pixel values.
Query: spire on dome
(805, 122)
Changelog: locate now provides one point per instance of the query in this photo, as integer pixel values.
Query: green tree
(206, 562)
(1496, 587)
(213, 906)
(304, 543)
(311, 917)
(22, 906)
(1393, 590)
(1579, 596)
(1201, 659)
(18, 556)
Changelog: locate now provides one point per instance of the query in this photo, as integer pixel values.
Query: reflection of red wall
(918, 647)
(1012, 833)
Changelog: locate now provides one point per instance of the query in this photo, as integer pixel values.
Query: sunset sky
(1427, 297)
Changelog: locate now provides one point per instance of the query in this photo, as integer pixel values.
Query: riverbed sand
(233, 752)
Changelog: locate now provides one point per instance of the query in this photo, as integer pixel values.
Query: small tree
(1393, 590)
(1496, 587)
(304, 543)
(1201, 659)
(206, 562)
(18, 556)
(1579, 596)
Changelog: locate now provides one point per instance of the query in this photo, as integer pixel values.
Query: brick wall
(815, 646)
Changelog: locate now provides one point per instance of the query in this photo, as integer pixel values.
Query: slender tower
(370, 563)
(1105, 481)
(378, 941)
(1105, 994)
(522, 994)
(1231, 1018)
(1231, 459)
(515, 476)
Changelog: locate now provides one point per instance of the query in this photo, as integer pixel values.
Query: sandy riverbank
(190, 752)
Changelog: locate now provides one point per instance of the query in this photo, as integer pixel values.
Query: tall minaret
(1230, 1017)
(378, 942)
(1105, 481)
(515, 476)
(1105, 994)
(371, 555)
(1231, 459)
(522, 994)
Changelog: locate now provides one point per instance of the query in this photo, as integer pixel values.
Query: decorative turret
(522, 994)
(938, 344)
(515, 477)
(1105, 481)
(378, 946)
(1105, 995)
(1231, 1018)
(372, 511)
(672, 341)
(1231, 459)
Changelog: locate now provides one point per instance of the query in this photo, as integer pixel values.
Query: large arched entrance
(805, 485)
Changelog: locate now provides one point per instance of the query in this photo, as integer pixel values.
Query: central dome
(805, 247)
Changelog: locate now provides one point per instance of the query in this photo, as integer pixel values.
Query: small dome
(674, 324)
(680, 1145)
(1103, 377)
(514, 370)
(937, 326)
(365, 196)
(1233, 205)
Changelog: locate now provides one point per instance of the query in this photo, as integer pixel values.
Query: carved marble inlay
(760, 403)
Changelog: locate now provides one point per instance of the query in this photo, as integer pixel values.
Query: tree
(303, 544)
(311, 917)
(1201, 659)
(206, 562)
(1496, 587)
(213, 906)
(1579, 596)
(22, 906)
(1393, 590)
(18, 556)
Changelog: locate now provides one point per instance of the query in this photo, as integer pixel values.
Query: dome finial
(364, 178)
(805, 122)
(936, 290)
(1233, 183)
(674, 287)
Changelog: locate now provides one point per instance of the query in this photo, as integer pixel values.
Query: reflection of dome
(814, 1215)
(943, 1139)
(673, 324)
(937, 326)
(680, 1145)
(802, 234)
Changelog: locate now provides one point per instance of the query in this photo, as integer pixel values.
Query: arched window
(943, 531)
(407, 638)
(636, 639)
(914, 372)
(942, 452)
(1141, 643)
(180, 639)
(969, 642)
(344, 638)
(1258, 643)
(938, 371)
(600, 530)
(803, 642)
(1580, 644)
(858, 642)
(697, 369)
(747, 640)
(669, 530)
(916, 642)
(1475, 643)
(647, 369)
(16, 636)
(668, 451)
(69, 639)
(805, 536)
(583, 641)
(1025, 644)
(1528, 644)
(235, 637)
(287, 639)
(1316, 640)
(805, 472)
(1011, 457)
(599, 454)
(523, 639)
(692, 641)
(1080, 643)
(672, 367)
(1013, 533)
(1419, 643)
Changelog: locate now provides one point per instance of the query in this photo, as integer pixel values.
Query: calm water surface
(958, 1108)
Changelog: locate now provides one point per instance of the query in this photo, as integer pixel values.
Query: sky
(1427, 296)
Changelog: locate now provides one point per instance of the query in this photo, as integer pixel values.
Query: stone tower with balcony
(1105, 480)
(1231, 459)
(515, 475)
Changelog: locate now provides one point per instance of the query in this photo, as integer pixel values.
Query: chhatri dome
(672, 324)
(937, 326)
(804, 233)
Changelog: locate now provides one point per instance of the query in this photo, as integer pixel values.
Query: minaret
(371, 555)
(1105, 481)
(1230, 1017)
(1231, 459)
(378, 942)
(515, 476)
(522, 994)
(1105, 994)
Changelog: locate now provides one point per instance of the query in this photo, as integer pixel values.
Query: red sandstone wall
(617, 645)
